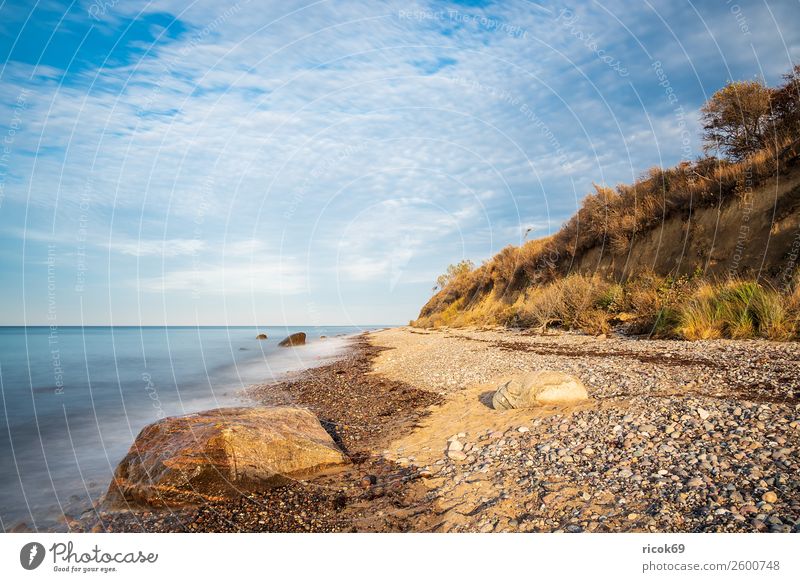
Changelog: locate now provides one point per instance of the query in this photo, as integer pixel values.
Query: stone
(296, 339)
(770, 497)
(456, 455)
(261, 336)
(221, 454)
(703, 413)
(537, 389)
(368, 481)
(455, 446)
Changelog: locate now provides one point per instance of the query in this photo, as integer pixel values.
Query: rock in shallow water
(296, 339)
(539, 388)
(220, 454)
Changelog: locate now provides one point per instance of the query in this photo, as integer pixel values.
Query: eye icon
(31, 555)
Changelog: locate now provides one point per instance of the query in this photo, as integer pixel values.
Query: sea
(73, 399)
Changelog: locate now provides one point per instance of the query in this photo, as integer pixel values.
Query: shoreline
(80, 493)
(676, 436)
(368, 495)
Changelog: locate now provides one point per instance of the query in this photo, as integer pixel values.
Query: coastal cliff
(704, 249)
(654, 278)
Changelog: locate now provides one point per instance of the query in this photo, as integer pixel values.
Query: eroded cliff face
(755, 235)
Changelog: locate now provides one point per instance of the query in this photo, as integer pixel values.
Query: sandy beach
(676, 436)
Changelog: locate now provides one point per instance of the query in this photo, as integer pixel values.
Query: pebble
(770, 497)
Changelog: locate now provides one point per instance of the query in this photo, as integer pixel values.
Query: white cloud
(324, 131)
(275, 278)
(243, 248)
(159, 248)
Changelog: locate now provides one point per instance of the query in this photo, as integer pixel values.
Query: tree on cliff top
(786, 107)
(736, 119)
(453, 272)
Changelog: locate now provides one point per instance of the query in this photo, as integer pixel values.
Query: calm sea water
(73, 400)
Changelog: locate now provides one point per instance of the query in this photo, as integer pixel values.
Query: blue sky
(321, 163)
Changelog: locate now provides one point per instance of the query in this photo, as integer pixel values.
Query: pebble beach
(674, 437)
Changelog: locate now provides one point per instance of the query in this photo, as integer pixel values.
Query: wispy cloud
(157, 248)
(358, 143)
(276, 279)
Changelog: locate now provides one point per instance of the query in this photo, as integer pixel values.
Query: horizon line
(202, 325)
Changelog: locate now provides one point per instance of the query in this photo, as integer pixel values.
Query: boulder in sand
(296, 339)
(261, 336)
(221, 454)
(537, 389)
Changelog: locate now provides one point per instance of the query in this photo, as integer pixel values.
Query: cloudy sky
(318, 163)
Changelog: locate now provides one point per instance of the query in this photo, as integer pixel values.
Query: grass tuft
(691, 308)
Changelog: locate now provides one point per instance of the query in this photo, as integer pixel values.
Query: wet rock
(296, 339)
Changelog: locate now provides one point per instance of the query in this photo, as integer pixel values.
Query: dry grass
(738, 309)
(699, 318)
(691, 308)
(571, 303)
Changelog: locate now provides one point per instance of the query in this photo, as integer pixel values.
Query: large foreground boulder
(537, 389)
(296, 339)
(220, 454)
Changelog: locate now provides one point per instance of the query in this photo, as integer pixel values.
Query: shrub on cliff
(736, 119)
